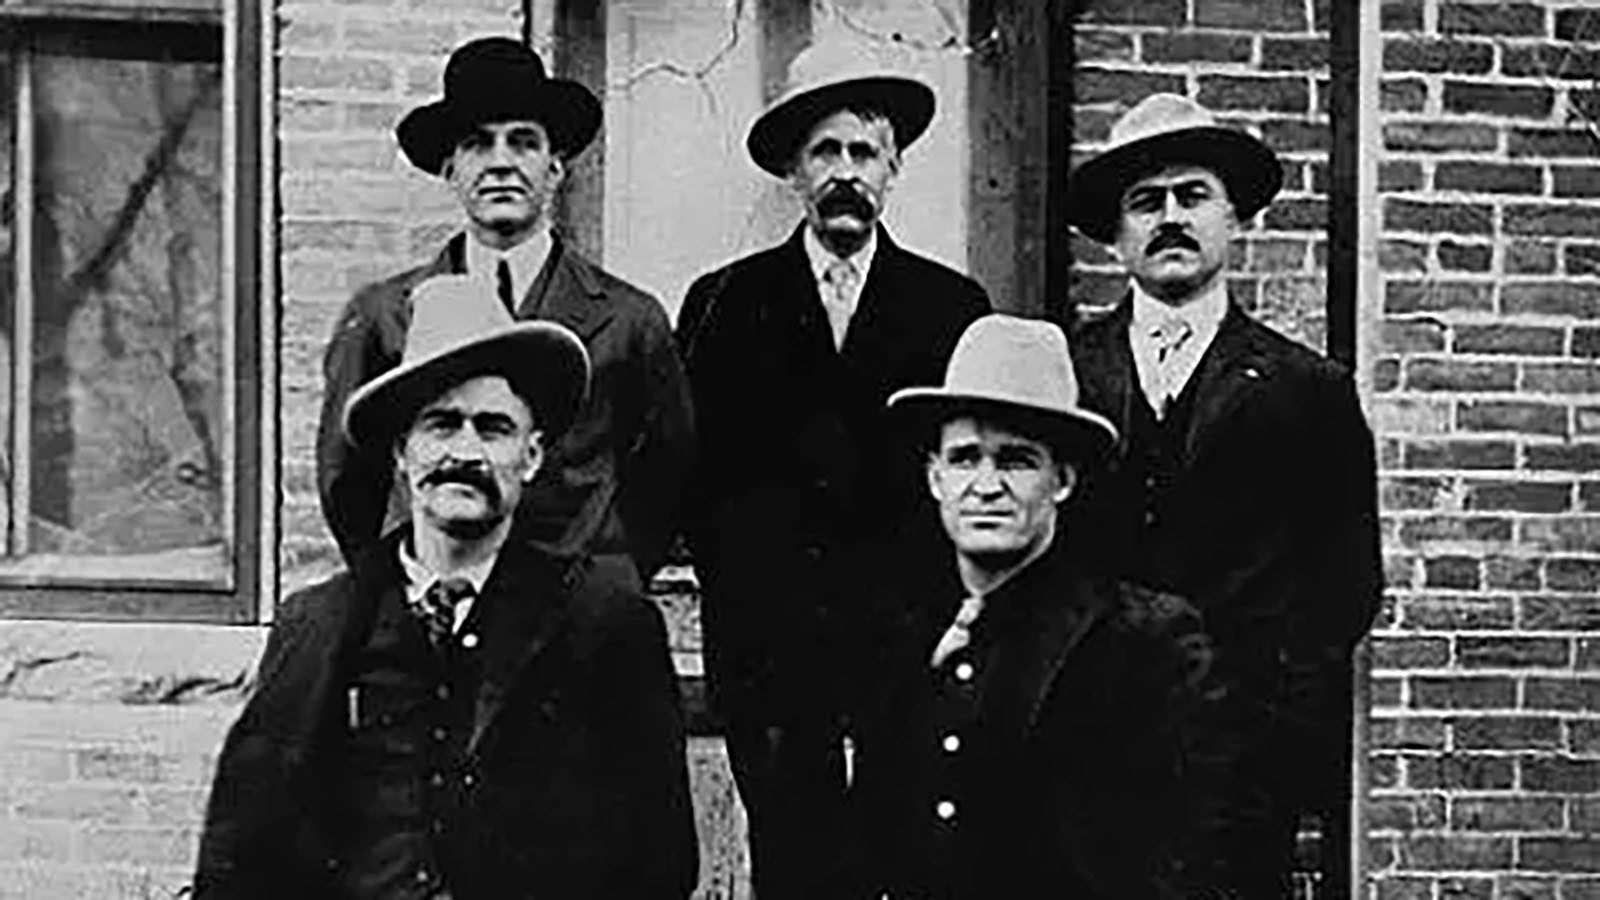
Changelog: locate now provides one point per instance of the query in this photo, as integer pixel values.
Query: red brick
(1138, 12)
(1195, 46)
(1584, 737)
(1400, 15)
(1408, 733)
(1560, 776)
(1561, 613)
(1459, 455)
(1403, 256)
(400, 35)
(1549, 62)
(76, 802)
(1561, 378)
(1429, 692)
(1296, 135)
(1511, 573)
(1405, 813)
(1403, 95)
(1519, 888)
(1297, 215)
(1411, 493)
(372, 116)
(1506, 733)
(1403, 887)
(1568, 534)
(1399, 175)
(1551, 298)
(1518, 496)
(1588, 655)
(1294, 54)
(1573, 574)
(1466, 889)
(1488, 178)
(164, 846)
(1385, 375)
(1454, 852)
(1582, 260)
(301, 114)
(1498, 99)
(1505, 19)
(1563, 458)
(364, 154)
(1122, 85)
(1549, 142)
(1506, 813)
(1460, 218)
(1410, 653)
(1575, 181)
(1530, 258)
(1464, 613)
(115, 765)
(1419, 335)
(1243, 92)
(1580, 889)
(1589, 496)
(325, 73)
(349, 236)
(1577, 25)
(1432, 295)
(1385, 767)
(1586, 810)
(1424, 374)
(1452, 572)
(1277, 255)
(1570, 694)
(1254, 15)
(1102, 44)
(1436, 55)
(1399, 573)
(1515, 340)
(1512, 652)
(1454, 257)
(1459, 772)
(1386, 694)
(1439, 137)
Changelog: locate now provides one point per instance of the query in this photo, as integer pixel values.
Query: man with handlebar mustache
(792, 353)
(1244, 479)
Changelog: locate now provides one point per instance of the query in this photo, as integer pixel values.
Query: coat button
(442, 692)
(951, 743)
(440, 734)
(964, 672)
(469, 640)
(469, 779)
(423, 876)
(437, 779)
(944, 809)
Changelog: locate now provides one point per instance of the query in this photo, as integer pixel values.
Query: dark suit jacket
(800, 477)
(1271, 527)
(577, 739)
(1101, 746)
(614, 481)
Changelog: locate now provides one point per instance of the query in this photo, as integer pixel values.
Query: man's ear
(1069, 482)
(535, 455)
(932, 471)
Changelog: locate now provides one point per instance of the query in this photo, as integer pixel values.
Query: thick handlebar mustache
(470, 476)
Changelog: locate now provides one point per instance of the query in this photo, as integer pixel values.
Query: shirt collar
(419, 577)
(525, 259)
(821, 257)
(1204, 313)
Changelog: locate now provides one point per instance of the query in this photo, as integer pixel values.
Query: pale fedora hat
(832, 74)
(460, 330)
(1021, 369)
(1163, 130)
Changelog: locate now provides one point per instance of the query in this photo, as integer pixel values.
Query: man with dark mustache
(502, 137)
(791, 354)
(1245, 477)
(460, 716)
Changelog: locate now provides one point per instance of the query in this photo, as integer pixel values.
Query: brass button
(469, 640)
(952, 743)
(964, 672)
(944, 809)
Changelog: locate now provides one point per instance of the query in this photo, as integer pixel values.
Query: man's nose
(466, 445)
(986, 480)
(1171, 209)
(500, 155)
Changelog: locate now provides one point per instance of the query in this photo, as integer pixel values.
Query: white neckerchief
(1204, 316)
(419, 578)
(822, 258)
(525, 260)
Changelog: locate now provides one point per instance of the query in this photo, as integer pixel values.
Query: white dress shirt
(419, 578)
(822, 260)
(1203, 315)
(525, 261)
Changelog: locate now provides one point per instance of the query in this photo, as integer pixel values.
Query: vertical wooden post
(580, 29)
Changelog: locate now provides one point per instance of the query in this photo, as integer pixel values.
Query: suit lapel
(573, 295)
(1230, 372)
(871, 325)
(803, 318)
(1105, 364)
(529, 597)
(1061, 627)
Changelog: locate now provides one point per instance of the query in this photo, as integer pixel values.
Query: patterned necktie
(437, 608)
(959, 634)
(502, 280)
(840, 280)
(1168, 337)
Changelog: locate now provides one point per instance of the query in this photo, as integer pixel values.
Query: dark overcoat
(1095, 766)
(577, 742)
(800, 480)
(613, 483)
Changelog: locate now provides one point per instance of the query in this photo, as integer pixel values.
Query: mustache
(1171, 239)
(843, 198)
(471, 476)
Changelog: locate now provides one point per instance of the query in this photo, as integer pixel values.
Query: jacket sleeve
(353, 484)
(656, 469)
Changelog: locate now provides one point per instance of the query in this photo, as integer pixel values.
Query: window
(128, 400)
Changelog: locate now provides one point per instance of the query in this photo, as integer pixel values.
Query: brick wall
(1486, 720)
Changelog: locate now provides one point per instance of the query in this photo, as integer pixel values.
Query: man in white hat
(1035, 730)
(502, 137)
(462, 715)
(1245, 476)
(791, 353)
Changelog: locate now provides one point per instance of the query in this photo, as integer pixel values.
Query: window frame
(248, 293)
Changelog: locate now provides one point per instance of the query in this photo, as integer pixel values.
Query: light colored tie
(960, 631)
(838, 297)
(1169, 337)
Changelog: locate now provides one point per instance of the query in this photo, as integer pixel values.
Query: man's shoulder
(754, 265)
(614, 288)
(1143, 609)
(927, 269)
(314, 601)
(1293, 357)
(606, 601)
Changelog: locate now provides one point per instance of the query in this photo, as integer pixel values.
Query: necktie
(1168, 337)
(502, 281)
(437, 608)
(959, 634)
(840, 280)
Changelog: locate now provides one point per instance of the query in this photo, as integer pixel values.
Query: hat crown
(492, 63)
(448, 311)
(1023, 361)
(834, 60)
(1159, 114)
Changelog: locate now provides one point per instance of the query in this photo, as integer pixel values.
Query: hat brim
(1248, 167)
(777, 133)
(570, 113)
(1078, 436)
(544, 363)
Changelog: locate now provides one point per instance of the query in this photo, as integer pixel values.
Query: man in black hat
(791, 353)
(503, 137)
(460, 716)
(1245, 477)
(1034, 729)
